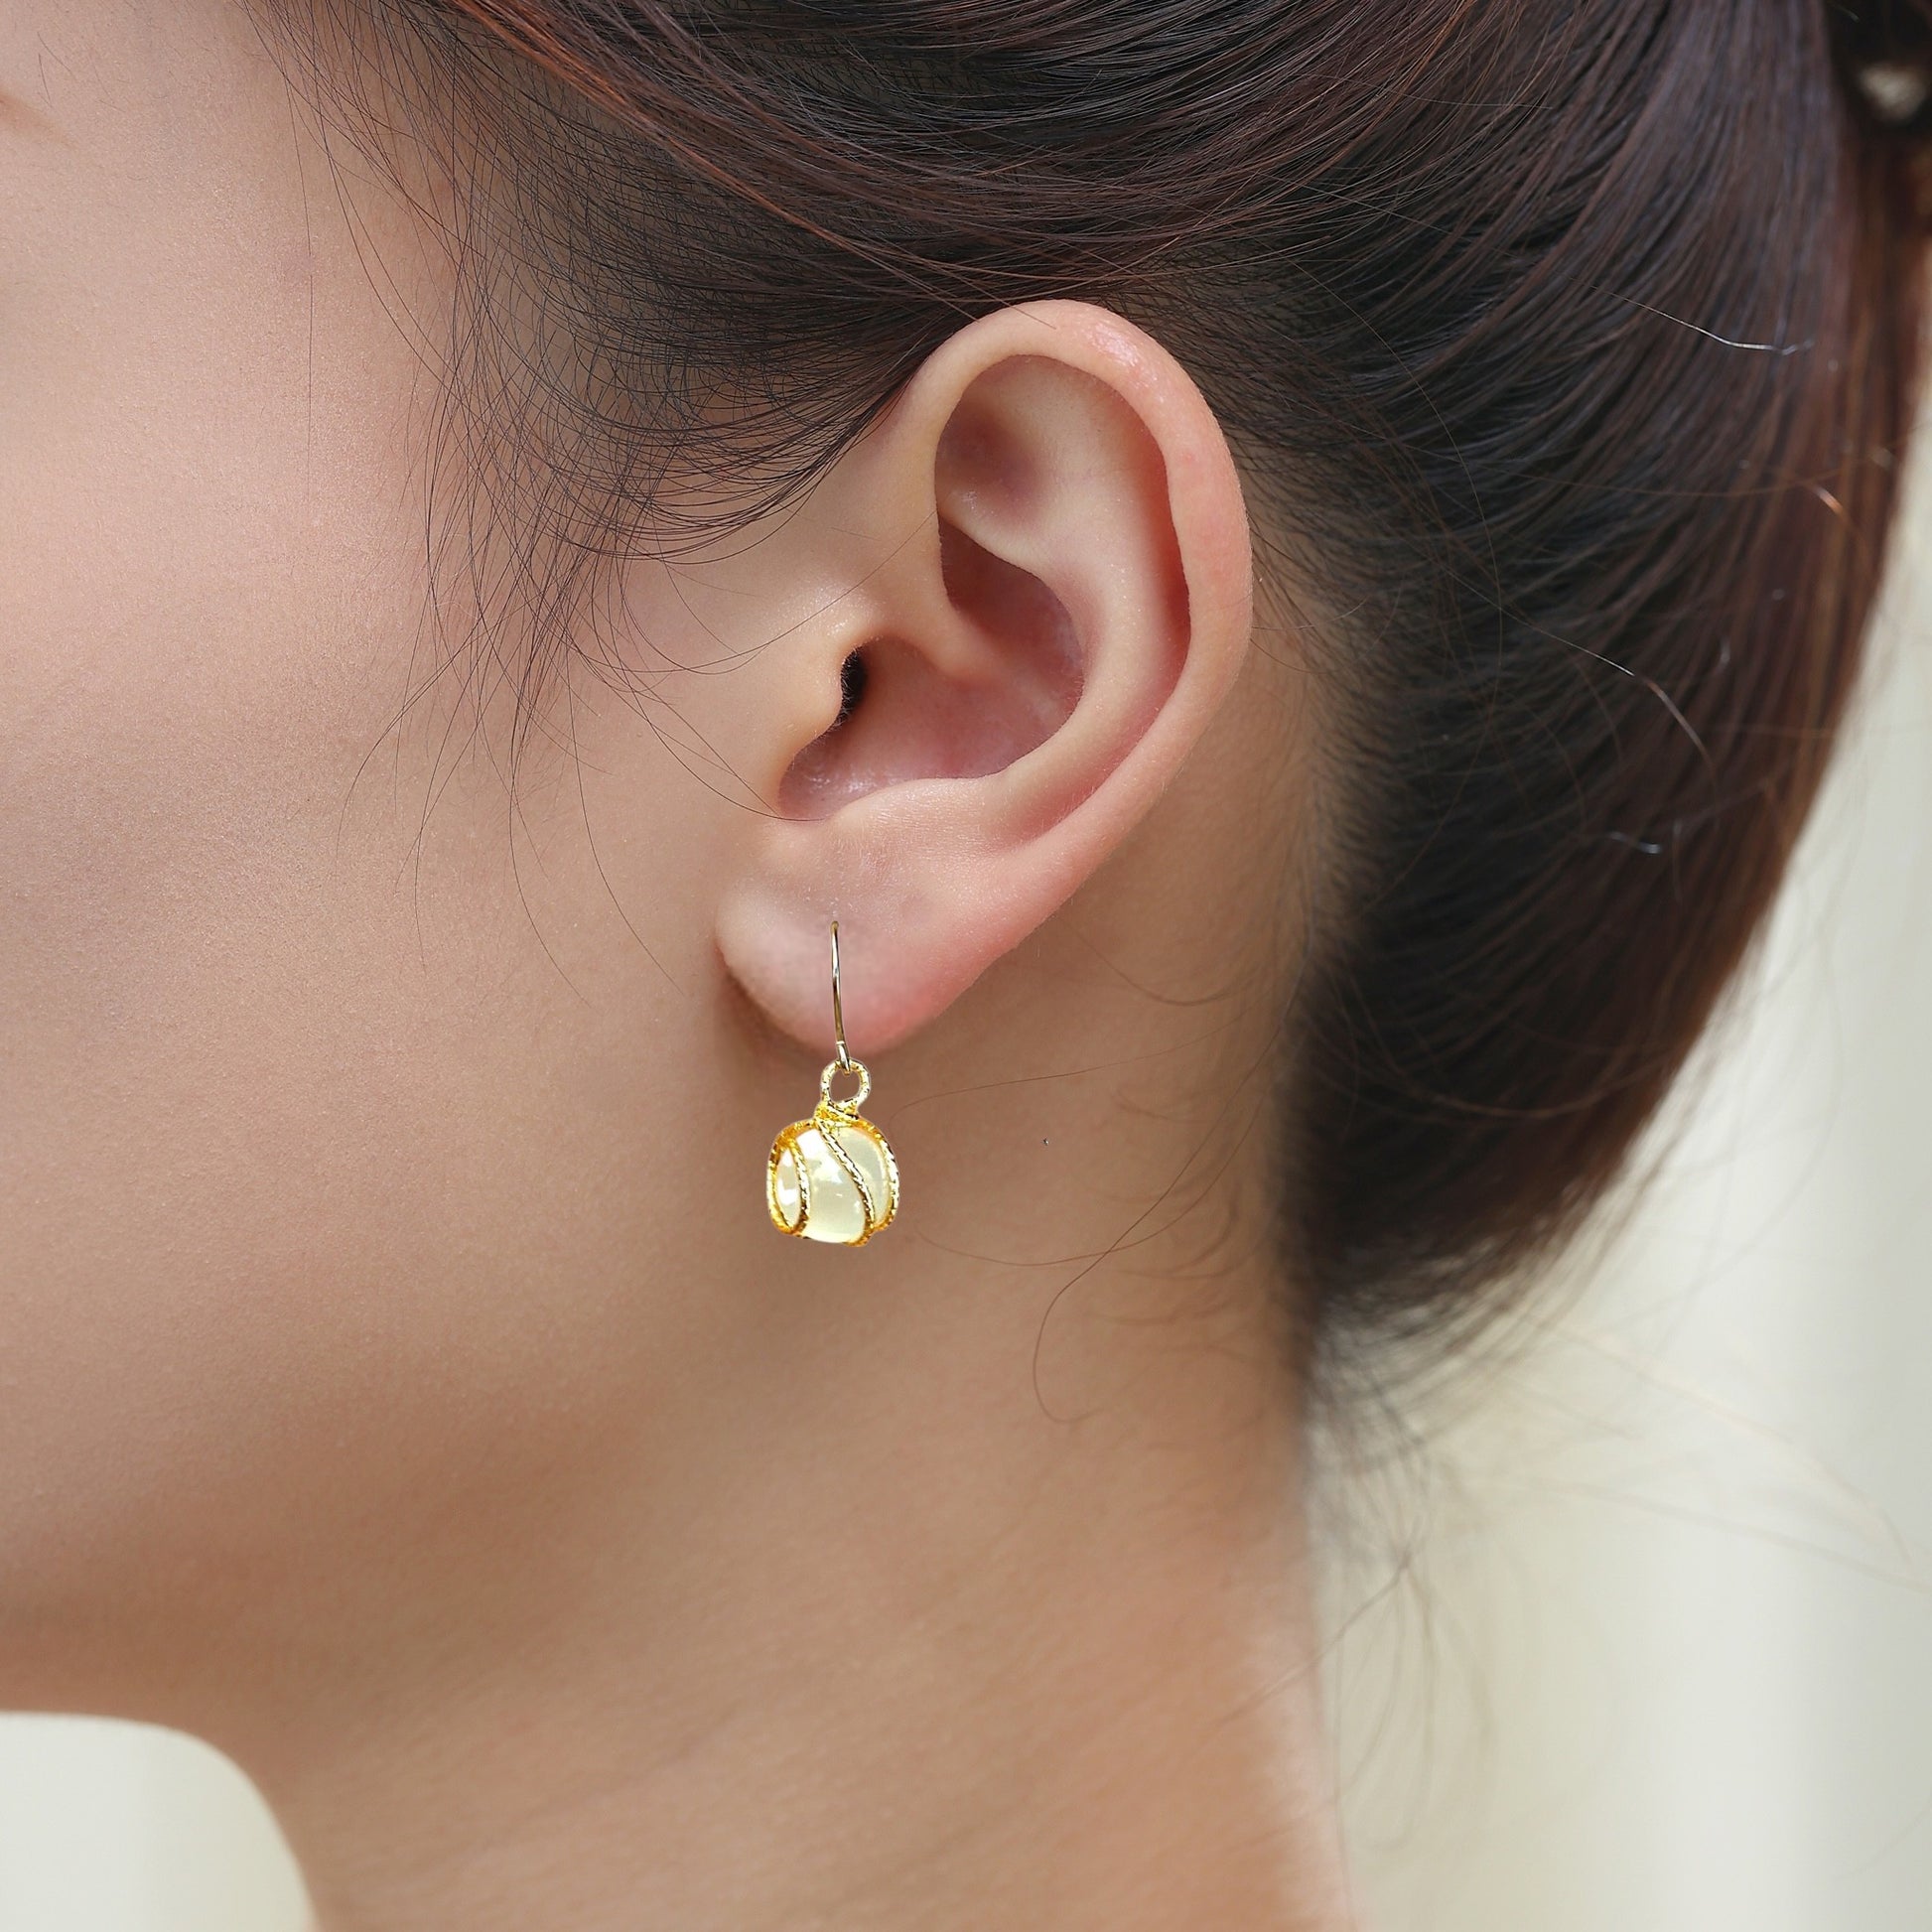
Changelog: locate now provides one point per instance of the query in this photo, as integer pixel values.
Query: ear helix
(833, 1178)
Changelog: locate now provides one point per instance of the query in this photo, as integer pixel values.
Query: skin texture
(403, 1386)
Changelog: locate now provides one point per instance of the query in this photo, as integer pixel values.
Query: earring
(833, 1178)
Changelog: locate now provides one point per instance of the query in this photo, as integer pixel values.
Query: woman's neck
(951, 1639)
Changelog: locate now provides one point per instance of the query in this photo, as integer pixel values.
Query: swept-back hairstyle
(1568, 347)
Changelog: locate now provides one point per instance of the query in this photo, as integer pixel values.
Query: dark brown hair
(1568, 347)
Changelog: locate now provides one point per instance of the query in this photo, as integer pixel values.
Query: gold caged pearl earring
(833, 1178)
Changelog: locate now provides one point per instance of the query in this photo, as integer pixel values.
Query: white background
(1641, 1640)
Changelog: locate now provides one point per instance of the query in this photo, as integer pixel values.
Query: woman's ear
(1050, 590)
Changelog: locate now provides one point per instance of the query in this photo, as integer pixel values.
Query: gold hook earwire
(838, 1011)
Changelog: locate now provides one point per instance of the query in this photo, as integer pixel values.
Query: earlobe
(1054, 597)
